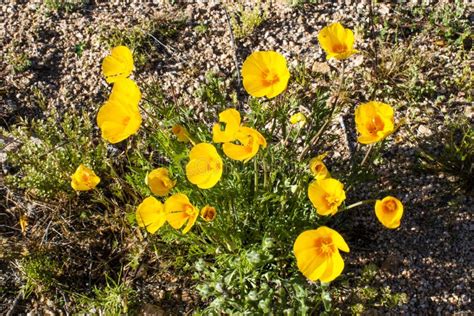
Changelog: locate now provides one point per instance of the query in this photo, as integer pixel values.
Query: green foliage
(38, 273)
(245, 20)
(449, 22)
(19, 61)
(49, 152)
(454, 155)
(115, 298)
(67, 6)
(247, 266)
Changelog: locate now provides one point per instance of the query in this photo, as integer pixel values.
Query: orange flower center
(125, 120)
(332, 200)
(390, 206)
(339, 48)
(214, 165)
(189, 209)
(318, 168)
(325, 246)
(209, 213)
(85, 177)
(376, 125)
(269, 78)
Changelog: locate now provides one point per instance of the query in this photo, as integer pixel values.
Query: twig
(315, 139)
(14, 304)
(234, 48)
(366, 155)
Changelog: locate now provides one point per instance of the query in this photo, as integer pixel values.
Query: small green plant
(49, 151)
(63, 5)
(79, 48)
(454, 155)
(38, 273)
(115, 298)
(245, 20)
(19, 61)
(201, 28)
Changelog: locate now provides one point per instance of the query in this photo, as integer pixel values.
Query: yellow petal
(191, 221)
(231, 118)
(151, 214)
(176, 202)
(126, 91)
(337, 41)
(159, 182)
(118, 121)
(118, 64)
(84, 179)
(265, 73)
(335, 265)
(337, 238)
(198, 171)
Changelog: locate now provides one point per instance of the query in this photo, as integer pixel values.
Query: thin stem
(359, 204)
(315, 139)
(367, 155)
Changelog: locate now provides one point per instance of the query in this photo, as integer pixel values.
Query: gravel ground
(429, 258)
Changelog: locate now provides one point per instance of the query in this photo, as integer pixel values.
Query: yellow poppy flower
(298, 118)
(389, 211)
(151, 214)
(118, 120)
(250, 141)
(326, 195)
(374, 121)
(159, 182)
(337, 41)
(119, 64)
(126, 91)
(208, 213)
(84, 179)
(179, 211)
(265, 74)
(204, 168)
(317, 253)
(318, 168)
(181, 133)
(231, 119)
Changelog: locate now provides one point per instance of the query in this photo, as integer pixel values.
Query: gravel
(429, 258)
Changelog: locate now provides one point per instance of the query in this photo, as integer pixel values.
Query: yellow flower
(118, 120)
(298, 118)
(250, 141)
(204, 168)
(151, 214)
(208, 213)
(326, 195)
(159, 182)
(374, 121)
(389, 211)
(337, 41)
(318, 168)
(179, 211)
(265, 74)
(119, 64)
(125, 90)
(84, 179)
(317, 254)
(231, 118)
(181, 133)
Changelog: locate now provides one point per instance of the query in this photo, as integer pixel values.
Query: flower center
(339, 48)
(376, 125)
(269, 78)
(318, 168)
(125, 120)
(188, 209)
(390, 206)
(332, 200)
(85, 178)
(325, 246)
(214, 165)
